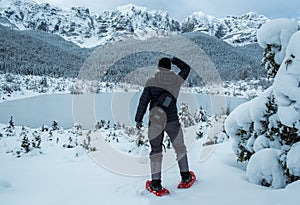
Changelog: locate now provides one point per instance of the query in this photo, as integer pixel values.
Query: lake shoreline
(117, 107)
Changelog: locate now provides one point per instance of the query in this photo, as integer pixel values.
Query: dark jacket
(162, 81)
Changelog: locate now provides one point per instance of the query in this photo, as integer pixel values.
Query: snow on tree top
(293, 52)
(277, 33)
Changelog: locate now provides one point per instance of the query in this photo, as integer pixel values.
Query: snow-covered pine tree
(267, 127)
(11, 123)
(43, 85)
(202, 119)
(140, 138)
(10, 129)
(23, 135)
(25, 145)
(201, 115)
(107, 125)
(44, 128)
(72, 140)
(36, 140)
(86, 144)
(99, 125)
(185, 117)
(54, 125)
(118, 126)
(77, 130)
(50, 137)
(77, 89)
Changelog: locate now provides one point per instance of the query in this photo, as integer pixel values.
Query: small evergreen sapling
(54, 125)
(36, 141)
(99, 124)
(25, 144)
(140, 138)
(201, 115)
(10, 129)
(11, 123)
(87, 143)
(202, 118)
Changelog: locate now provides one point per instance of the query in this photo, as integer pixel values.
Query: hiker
(161, 91)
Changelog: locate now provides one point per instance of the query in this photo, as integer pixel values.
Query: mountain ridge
(89, 29)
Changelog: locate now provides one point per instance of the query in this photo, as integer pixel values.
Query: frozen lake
(87, 109)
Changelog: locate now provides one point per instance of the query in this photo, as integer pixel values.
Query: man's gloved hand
(139, 125)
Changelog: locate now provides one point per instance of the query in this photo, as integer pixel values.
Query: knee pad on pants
(180, 149)
(156, 157)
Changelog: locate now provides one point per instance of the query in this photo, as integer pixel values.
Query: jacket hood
(166, 78)
(169, 81)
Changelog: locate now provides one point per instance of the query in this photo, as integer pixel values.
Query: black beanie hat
(164, 63)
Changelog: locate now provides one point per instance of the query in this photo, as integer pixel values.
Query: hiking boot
(187, 180)
(186, 177)
(155, 185)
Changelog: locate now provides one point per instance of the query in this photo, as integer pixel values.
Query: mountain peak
(130, 8)
(251, 16)
(234, 29)
(200, 14)
(254, 15)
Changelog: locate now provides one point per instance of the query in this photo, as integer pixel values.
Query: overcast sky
(181, 9)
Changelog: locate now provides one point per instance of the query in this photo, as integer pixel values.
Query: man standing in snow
(161, 91)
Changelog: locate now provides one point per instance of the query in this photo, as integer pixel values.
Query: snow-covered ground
(64, 170)
(59, 170)
(71, 176)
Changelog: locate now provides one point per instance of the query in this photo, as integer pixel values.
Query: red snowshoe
(163, 191)
(188, 183)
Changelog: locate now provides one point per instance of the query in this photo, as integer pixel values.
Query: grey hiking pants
(156, 135)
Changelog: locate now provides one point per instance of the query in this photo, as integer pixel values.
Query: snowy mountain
(236, 30)
(89, 29)
(85, 28)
